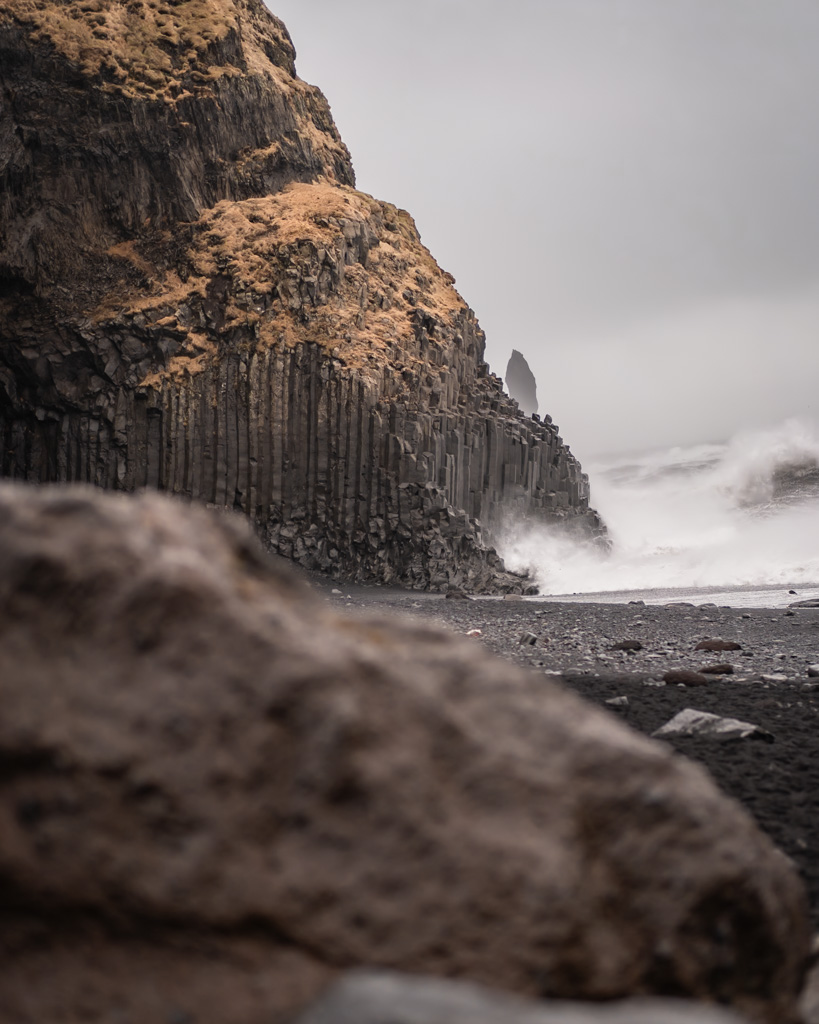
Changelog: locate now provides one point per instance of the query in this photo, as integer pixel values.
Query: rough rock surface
(216, 793)
(521, 383)
(382, 997)
(193, 297)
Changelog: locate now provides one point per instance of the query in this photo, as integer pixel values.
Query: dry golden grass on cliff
(248, 238)
(254, 243)
(152, 47)
(250, 233)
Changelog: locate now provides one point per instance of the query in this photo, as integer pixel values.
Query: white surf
(738, 522)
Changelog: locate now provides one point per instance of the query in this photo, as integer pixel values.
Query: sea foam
(737, 515)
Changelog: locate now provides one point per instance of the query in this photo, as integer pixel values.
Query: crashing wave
(741, 514)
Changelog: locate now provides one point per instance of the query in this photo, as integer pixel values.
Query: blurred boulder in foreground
(216, 793)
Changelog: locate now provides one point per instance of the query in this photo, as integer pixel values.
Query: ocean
(731, 524)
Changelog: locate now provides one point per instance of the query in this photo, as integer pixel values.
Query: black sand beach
(777, 781)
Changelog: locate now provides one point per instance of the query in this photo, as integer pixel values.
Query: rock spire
(521, 383)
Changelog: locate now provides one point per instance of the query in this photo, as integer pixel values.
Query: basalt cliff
(194, 297)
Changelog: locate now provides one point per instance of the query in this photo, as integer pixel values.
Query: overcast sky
(625, 191)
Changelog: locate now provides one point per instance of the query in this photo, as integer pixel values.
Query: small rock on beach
(690, 722)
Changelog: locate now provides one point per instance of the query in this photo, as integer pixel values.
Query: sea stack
(195, 298)
(521, 383)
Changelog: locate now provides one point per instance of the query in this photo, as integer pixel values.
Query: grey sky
(625, 191)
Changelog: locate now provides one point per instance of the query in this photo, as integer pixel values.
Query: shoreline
(740, 597)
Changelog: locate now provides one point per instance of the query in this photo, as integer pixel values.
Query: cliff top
(159, 47)
(192, 202)
(127, 117)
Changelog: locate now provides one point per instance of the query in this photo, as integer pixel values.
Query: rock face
(521, 383)
(193, 297)
(216, 794)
